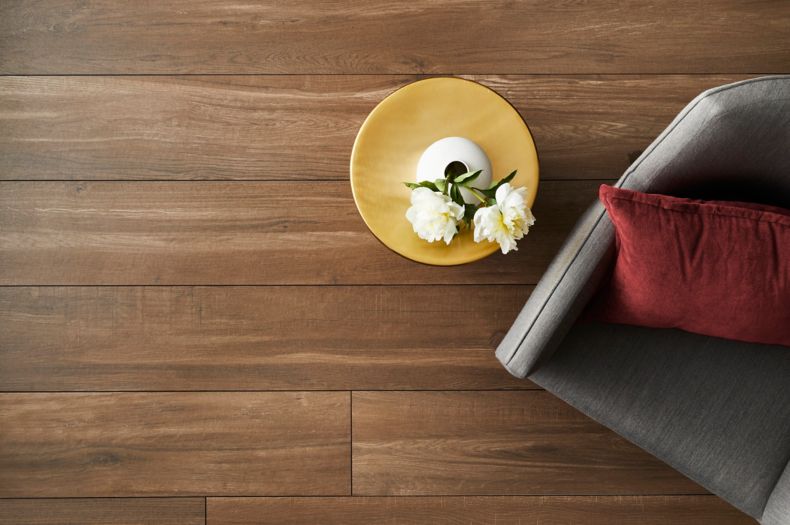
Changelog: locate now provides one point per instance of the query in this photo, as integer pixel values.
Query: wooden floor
(196, 326)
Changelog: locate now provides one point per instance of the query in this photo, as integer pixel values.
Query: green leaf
(424, 184)
(490, 192)
(500, 182)
(469, 212)
(467, 177)
(509, 177)
(455, 194)
(441, 185)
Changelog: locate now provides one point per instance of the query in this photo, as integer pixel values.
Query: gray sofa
(716, 410)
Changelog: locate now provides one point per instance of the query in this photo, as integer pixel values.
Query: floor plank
(301, 127)
(248, 338)
(478, 510)
(271, 96)
(102, 511)
(540, 36)
(190, 233)
(494, 443)
(160, 444)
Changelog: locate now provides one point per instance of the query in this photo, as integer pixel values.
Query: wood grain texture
(495, 443)
(103, 511)
(595, 80)
(424, 36)
(478, 510)
(247, 338)
(301, 127)
(237, 233)
(160, 444)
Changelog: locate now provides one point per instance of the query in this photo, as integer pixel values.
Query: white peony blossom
(433, 215)
(507, 221)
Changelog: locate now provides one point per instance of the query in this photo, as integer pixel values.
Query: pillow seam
(781, 221)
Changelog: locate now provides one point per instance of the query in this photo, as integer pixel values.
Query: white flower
(507, 221)
(433, 215)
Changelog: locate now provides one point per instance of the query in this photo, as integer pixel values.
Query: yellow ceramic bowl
(402, 126)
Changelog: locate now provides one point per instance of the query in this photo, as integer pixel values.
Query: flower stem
(474, 192)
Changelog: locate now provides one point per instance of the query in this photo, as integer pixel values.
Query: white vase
(458, 155)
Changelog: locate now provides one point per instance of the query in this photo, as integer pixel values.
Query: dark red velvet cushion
(711, 267)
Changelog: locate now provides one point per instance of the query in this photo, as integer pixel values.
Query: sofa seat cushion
(716, 410)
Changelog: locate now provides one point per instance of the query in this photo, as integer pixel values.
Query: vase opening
(455, 168)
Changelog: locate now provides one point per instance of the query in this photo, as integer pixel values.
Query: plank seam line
(403, 74)
(290, 285)
(253, 496)
(351, 442)
(332, 180)
(272, 391)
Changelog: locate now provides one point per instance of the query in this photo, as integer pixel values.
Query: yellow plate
(402, 126)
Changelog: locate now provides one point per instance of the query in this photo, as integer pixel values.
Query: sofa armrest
(777, 509)
(563, 291)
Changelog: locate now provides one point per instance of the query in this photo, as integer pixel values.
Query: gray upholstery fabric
(777, 510)
(565, 288)
(716, 410)
(699, 412)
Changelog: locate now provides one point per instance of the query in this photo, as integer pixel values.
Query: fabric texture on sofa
(716, 410)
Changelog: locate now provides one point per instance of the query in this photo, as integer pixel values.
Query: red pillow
(711, 267)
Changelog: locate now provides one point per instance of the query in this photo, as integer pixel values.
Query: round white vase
(456, 154)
